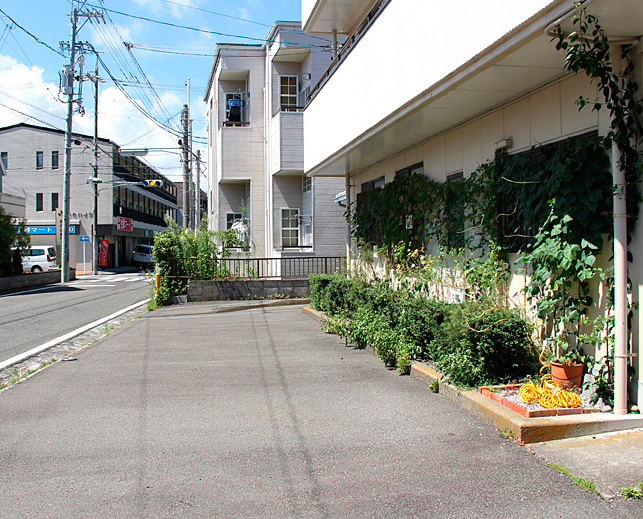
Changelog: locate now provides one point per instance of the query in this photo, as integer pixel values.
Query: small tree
(12, 234)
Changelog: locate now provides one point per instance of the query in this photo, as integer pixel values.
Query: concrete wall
(33, 280)
(238, 290)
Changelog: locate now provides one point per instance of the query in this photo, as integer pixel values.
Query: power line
(32, 35)
(215, 13)
(195, 29)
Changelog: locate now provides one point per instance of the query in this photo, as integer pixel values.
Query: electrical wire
(32, 35)
(205, 31)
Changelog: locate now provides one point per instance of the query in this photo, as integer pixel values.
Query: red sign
(104, 253)
(124, 224)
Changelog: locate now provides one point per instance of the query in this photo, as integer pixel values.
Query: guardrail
(254, 268)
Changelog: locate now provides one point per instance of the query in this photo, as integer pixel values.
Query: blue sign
(84, 238)
(48, 229)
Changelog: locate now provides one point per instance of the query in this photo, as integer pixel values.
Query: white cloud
(24, 93)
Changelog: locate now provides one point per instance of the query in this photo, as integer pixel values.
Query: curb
(527, 430)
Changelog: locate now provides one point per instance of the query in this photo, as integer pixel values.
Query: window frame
(4, 158)
(294, 213)
(306, 185)
(55, 159)
(291, 104)
(55, 197)
(455, 236)
(40, 203)
(40, 160)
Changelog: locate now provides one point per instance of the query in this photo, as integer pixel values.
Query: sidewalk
(191, 411)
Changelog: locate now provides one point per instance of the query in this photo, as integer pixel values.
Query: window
(306, 184)
(234, 105)
(307, 235)
(378, 183)
(290, 227)
(4, 157)
(415, 169)
(54, 160)
(38, 202)
(288, 93)
(54, 201)
(232, 218)
(455, 213)
(40, 161)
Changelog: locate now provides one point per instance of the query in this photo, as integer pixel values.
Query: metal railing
(254, 268)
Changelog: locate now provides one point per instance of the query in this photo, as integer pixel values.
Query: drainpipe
(620, 284)
(349, 257)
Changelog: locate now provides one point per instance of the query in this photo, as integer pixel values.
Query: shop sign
(124, 224)
(103, 258)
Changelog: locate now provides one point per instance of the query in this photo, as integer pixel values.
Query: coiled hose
(548, 394)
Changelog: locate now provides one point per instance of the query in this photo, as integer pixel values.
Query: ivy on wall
(505, 201)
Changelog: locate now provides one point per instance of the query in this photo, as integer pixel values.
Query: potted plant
(562, 267)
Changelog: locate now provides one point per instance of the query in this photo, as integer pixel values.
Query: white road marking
(34, 351)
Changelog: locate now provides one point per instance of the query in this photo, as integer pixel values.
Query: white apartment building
(439, 86)
(255, 99)
(128, 213)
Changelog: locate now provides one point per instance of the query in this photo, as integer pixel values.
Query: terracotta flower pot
(567, 375)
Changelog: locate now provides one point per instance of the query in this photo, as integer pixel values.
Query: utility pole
(95, 246)
(197, 218)
(69, 90)
(185, 116)
(68, 77)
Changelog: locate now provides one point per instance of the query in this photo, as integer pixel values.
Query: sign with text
(124, 224)
(104, 253)
(48, 229)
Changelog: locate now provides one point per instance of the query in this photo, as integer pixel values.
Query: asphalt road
(33, 317)
(257, 414)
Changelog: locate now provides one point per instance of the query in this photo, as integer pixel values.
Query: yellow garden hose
(548, 394)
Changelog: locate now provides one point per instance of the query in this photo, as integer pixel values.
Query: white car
(142, 255)
(38, 258)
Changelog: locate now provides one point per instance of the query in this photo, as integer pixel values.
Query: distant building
(128, 213)
(255, 99)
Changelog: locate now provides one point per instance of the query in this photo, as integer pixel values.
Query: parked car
(143, 255)
(38, 258)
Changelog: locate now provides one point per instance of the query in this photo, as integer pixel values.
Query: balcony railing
(253, 268)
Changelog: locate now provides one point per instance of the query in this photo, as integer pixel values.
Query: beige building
(255, 99)
(438, 87)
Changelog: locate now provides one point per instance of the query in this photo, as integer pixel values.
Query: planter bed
(509, 397)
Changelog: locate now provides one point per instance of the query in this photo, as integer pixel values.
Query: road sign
(84, 238)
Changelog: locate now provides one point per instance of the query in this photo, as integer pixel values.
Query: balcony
(287, 142)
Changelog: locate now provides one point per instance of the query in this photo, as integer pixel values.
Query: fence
(254, 268)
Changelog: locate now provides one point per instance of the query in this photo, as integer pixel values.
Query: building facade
(255, 99)
(128, 213)
(441, 102)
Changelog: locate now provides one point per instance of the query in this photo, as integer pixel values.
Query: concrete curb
(527, 430)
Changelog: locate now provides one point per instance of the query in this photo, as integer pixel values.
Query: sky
(152, 68)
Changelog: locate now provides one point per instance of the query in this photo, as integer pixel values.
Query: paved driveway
(256, 414)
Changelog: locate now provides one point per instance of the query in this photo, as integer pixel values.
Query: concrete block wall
(207, 290)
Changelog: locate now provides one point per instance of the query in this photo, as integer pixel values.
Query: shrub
(318, 285)
(333, 294)
(478, 345)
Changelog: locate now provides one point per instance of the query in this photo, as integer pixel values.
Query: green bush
(333, 294)
(318, 285)
(479, 345)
